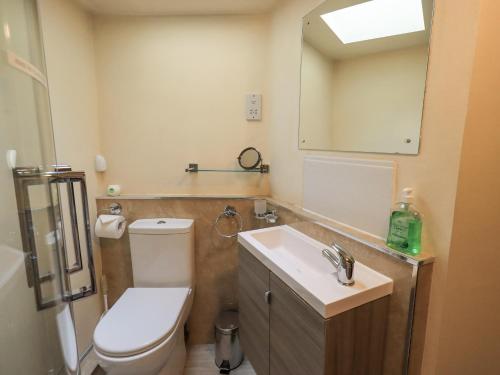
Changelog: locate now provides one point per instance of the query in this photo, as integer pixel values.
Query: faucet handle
(344, 256)
(345, 265)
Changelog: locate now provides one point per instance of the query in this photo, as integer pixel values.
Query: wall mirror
(249, 158)
(363, 75)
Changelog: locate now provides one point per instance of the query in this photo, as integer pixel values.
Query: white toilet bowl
(143, 333)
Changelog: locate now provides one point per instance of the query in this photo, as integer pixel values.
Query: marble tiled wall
(216, 258)
(217, 263)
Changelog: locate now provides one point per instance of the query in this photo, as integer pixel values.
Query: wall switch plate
(254, 107)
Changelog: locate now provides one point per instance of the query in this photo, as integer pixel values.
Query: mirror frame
(259, 158)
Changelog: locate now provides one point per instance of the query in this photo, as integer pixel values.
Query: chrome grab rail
(25, 177)
(77, 266)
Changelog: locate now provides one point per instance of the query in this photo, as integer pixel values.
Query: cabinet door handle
(267, 297)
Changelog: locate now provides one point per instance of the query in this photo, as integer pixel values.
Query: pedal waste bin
(228, 354)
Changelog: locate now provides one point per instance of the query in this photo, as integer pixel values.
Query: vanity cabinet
(282, 335)
(254, 311)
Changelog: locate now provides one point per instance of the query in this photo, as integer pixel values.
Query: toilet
(143, 333)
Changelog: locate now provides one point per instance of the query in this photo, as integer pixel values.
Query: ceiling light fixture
(376, 19)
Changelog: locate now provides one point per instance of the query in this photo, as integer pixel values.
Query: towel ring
(229, 212)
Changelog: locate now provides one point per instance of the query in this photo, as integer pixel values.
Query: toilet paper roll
(110, 226)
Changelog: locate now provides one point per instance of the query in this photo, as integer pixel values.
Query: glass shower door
(37, 334)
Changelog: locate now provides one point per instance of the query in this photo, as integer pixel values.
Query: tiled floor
(201, 361)
(89, 365)
(98, 371)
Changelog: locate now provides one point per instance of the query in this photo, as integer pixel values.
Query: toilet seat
(141, 319)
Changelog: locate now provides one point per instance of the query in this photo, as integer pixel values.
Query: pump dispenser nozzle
(407, 195)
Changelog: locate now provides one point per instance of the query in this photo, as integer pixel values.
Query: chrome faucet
(271, 217)
(343, 261)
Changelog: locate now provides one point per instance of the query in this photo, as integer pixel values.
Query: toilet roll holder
(114, 209)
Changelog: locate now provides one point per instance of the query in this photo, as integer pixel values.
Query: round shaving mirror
(249, 158)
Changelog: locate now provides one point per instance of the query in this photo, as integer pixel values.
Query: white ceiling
(177, 7)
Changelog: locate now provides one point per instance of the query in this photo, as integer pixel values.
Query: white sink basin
(297, 260)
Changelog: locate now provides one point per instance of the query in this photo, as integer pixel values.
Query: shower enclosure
(45, 246)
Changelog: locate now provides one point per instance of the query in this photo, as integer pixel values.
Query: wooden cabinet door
(254, 311)
(297, 334)
(355, 340)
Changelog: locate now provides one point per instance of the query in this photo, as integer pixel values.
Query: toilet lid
(139, 320)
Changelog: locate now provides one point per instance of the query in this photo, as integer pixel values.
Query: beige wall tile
(216, 262)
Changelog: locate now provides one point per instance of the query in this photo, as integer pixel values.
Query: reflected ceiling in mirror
(363, 74)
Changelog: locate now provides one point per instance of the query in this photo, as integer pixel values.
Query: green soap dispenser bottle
(405, 227)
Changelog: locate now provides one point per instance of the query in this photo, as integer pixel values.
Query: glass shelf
(193, 168)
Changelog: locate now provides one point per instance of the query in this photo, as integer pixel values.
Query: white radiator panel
(357, 193)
